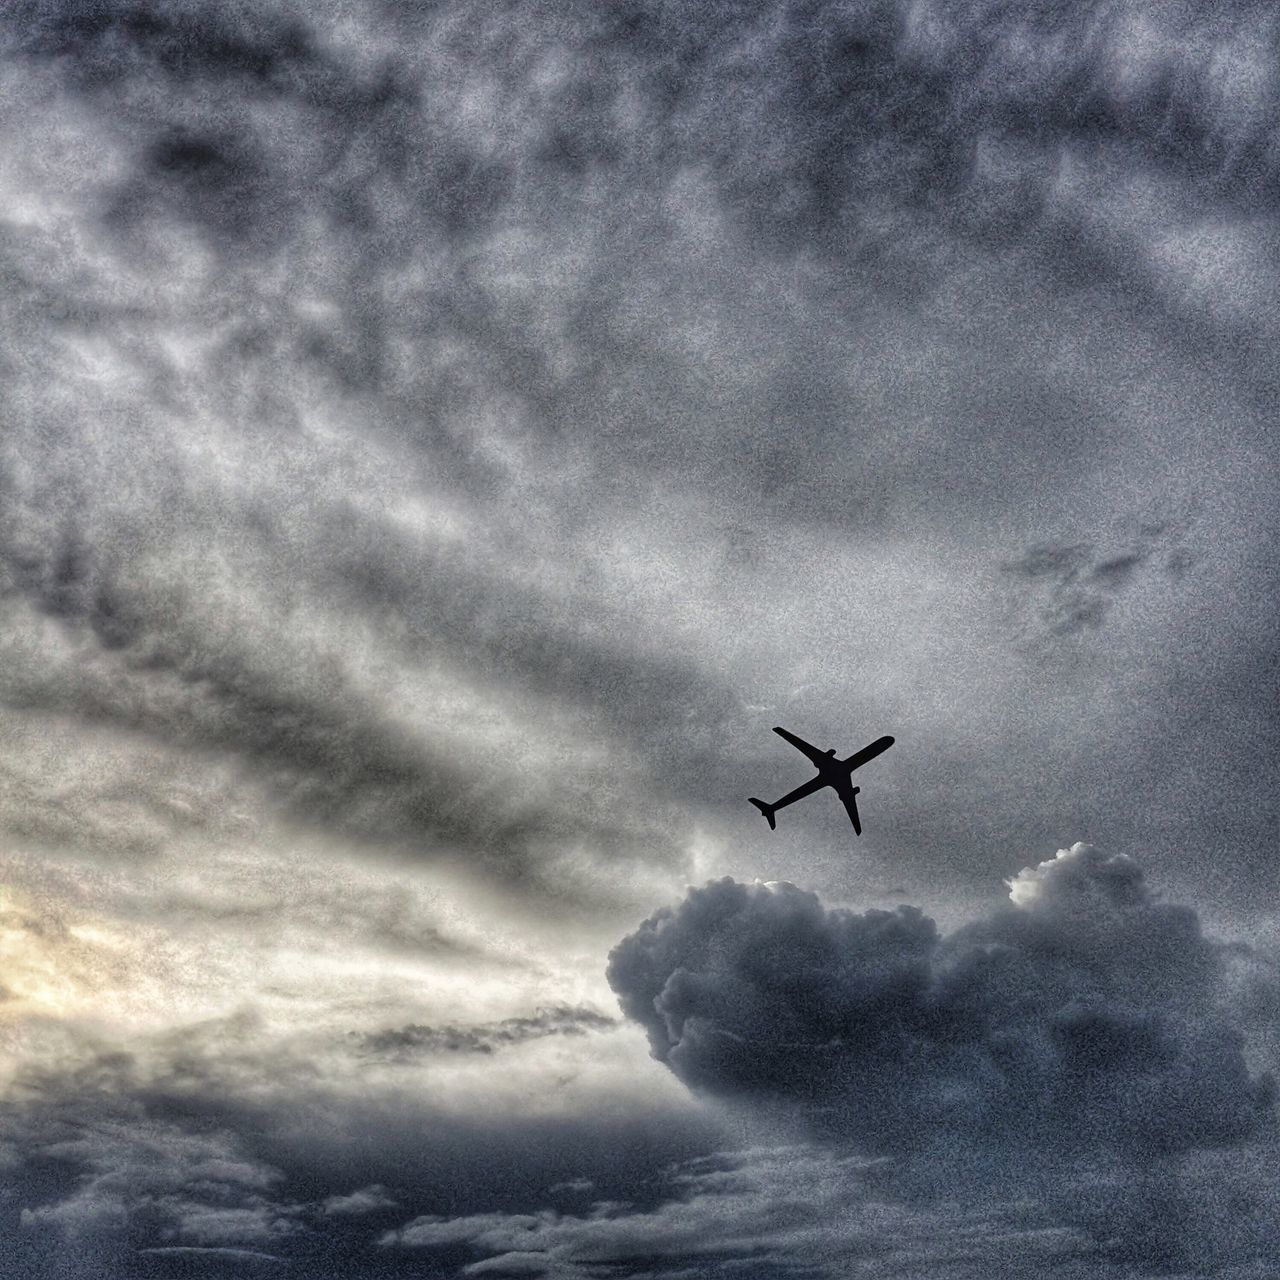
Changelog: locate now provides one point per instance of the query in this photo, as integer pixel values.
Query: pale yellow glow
(58, 960)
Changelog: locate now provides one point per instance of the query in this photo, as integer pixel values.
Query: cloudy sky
(440, 440)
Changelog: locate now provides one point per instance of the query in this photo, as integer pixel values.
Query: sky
(440, 441)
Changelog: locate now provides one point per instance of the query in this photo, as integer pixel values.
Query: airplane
(831, 773)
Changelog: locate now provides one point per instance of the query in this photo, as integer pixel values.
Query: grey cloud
(1079, 595)
(321, 748)
(129, 1181)
(364, 1200)
(1071, 589)
(215, 1253)
(156, 658)
(610, 269)
(1086, 1052)
(451, 431)
(256, 1156)
(1087, 1016)
(72, 788)
(252, 1146)
(558, 1020)
(833, 110)
(1213, 1215)
(777, 1212)
(113, 40)
(1097, 75)
(392, 919)
(580, 1186)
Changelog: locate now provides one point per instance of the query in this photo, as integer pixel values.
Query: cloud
(371, 440)
(95, 1185)
(106, 1167)
(797, 1211)
(212, 1253)
(1087, 1016)
(252, 1132)
(1072, 589)
(559, 1020)
(1085, 1052)
(450, 440)
(788, 1211)
(369, 1199)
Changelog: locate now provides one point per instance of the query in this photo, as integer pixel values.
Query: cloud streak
(562, 1020)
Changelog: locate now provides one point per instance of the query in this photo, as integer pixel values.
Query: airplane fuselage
(831, 769)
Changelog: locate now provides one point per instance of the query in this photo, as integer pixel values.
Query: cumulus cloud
(1085, 1052)
(1087, 1015)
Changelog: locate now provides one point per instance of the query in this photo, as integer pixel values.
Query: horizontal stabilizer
(767, 810)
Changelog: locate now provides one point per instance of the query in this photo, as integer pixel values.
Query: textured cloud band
(1086, 1015)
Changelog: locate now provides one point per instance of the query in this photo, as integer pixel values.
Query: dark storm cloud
(95, 1186)
(1085, 1051)
(561, 1020)
(1087, 1015)
(805, 1213)
(124, 1154)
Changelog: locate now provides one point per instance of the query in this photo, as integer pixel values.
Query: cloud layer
(392, 398)
(439, 441)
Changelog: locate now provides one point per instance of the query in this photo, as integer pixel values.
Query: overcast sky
(439, 441)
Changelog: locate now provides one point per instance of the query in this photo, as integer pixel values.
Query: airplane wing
(859, 758)
(849, 798)
(804, 789)
(801, 745)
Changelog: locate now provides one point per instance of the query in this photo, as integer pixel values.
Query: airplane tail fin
(767, 810)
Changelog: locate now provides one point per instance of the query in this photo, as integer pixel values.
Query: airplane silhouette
(831, 773)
